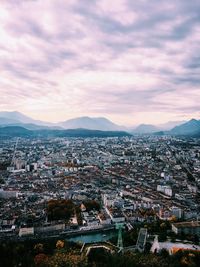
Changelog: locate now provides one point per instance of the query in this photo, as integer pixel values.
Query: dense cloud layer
(128, 60)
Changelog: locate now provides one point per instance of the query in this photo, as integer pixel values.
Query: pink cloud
(122, 60)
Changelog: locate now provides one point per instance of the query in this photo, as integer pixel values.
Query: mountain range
(17, 119)
(18, 131)
(13, 117)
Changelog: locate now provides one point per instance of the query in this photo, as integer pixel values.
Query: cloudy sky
(129, 60)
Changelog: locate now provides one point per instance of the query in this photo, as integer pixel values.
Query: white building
(26, 231)
(165, 189)
(109, 200)
(171, 247)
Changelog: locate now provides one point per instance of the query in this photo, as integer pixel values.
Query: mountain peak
(193, 120)
(190, 127)
(91, 123)
(19, 117)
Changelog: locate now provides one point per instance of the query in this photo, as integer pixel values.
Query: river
(93, 237)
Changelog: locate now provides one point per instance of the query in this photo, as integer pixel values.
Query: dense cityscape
(99, 133)
(65, 188)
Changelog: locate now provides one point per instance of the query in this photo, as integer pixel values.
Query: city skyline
(129, 62)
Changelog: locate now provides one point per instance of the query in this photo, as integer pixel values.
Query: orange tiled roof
(176, 249)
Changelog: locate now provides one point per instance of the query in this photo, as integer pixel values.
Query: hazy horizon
(100, 117)
(132, 61)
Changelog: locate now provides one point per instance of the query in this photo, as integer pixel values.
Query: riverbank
(67, 235)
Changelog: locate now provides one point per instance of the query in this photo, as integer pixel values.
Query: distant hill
(169, 125)
(31, 126)
(10, 117)
(145, 129)
(6, 121)
(15, 118)
(82, 133)
(101, 123)
(14, 131)
(17, 131)
(190, 127)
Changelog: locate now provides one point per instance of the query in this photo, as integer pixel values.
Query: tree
(60, 244)
(91, 205)
(41, 260)
(60, 209)
(39, 248)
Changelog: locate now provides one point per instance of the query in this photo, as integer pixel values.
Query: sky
(132, 61)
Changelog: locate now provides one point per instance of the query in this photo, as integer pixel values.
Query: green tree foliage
(130, 237)
(45, 253)
(132, 259)
(60, 209)
(41, 260)
(91, 205)
(4, 165)
(185, 258)
(98, 256)
(67, 260)
(2, 181)
(78, 215)
(16, 254)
